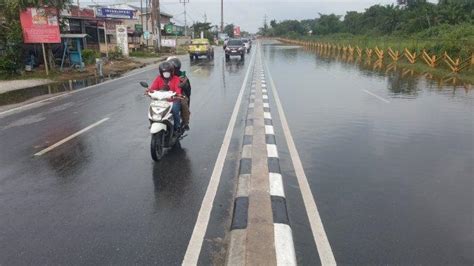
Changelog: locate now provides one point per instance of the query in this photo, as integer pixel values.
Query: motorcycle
(162, 130)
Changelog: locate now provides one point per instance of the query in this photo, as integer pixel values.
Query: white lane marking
(197, 70)
(267, 115)
(195, 243)
(264, 85)
(376, 96)
(38, 103)
(319, 234)
(272, 151)
(264, 91)
(252, 96)
(251, 105)
(266, 105)
(265, 97)
(269, 130)
(61, 142)
(276, 185)
(284, 246)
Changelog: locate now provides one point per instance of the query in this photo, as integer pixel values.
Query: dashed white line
(269, 130)
(61, 142)
(319, 234)
(265, 97)
(266, 105)
(376, 96)
(267, 115)
(272, 151)
(284, 245)
(276, 185)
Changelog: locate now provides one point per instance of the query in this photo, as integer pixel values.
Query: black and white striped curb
(283, 238)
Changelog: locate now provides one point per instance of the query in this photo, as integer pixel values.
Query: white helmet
(171, 57)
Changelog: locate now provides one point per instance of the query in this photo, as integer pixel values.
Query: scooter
(161, 122)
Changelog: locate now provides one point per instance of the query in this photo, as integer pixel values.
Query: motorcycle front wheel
(156, 147)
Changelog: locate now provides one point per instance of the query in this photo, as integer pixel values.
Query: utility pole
(265, 26)
(155, 22)
(222, 15)
(147, 11)
(158, 22)
(184, 2)
(141, 20)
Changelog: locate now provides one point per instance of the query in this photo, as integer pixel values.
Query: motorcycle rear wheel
(156, 146)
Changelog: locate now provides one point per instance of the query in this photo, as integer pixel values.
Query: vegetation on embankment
(446, 26)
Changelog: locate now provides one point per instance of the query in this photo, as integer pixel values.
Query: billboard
(237, 31)
(114, 13)
(168, 42)
(40, 25)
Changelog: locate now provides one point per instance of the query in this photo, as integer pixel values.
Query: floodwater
(389, 155)
(18, 96)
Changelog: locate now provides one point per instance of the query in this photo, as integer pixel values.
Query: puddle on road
(22, 95)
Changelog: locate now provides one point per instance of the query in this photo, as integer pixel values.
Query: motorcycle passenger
(185, 85)
(168, 81)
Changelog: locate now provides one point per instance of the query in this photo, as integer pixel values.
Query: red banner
(40, 25)
(237, 31)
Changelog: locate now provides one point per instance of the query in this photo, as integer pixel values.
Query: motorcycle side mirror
(144, 84)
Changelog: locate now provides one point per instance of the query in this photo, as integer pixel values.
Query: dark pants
(176, 111)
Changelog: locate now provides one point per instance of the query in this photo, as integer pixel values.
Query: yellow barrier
(455, 65)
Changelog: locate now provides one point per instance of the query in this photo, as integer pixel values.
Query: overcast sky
(249, 14)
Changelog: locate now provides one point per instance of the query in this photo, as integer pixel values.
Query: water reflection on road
(389, 154)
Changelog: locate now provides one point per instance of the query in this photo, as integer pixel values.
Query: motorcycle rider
(185, 85)
(168, 81)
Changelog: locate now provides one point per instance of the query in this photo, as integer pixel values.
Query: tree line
(403, 18)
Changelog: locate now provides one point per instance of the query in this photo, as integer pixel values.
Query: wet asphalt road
(99, 198)
(389, 159)
(392, 174)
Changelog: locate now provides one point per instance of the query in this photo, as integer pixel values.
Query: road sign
(146, 35)
(139, 28)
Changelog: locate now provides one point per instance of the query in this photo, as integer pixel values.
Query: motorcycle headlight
(156, 117)
(241, 48)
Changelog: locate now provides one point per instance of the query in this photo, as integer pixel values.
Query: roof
(71, 36)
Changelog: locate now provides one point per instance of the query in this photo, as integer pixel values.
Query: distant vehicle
(200, 47)
(248, 44)
(235, 47)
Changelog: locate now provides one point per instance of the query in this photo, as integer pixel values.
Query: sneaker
(186, 127)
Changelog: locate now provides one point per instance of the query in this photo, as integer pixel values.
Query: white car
(248, 44)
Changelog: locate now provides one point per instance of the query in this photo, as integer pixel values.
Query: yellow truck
(200, 47)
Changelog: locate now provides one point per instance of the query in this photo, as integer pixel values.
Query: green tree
(328, 24)
(229, 30)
